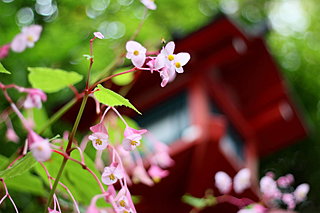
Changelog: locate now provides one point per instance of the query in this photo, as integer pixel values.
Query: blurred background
(291, 29)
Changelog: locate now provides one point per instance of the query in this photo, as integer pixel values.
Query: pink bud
(98, 35)
(140, 175)
(242, 180)
(288, 199)
(4, 51)
(223, 182)
(11, 135)
(301, 192)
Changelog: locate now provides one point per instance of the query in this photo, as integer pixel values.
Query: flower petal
(169, 48)
(182, 58)
(132, 46)
(139, 60)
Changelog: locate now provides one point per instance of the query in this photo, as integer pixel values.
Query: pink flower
(124, 202)
(288, 199)
(26, 38)
(92, 209)
(161, 155)
(132, 138)
(175, 62)
(52, 211)
(223, 182)
(242, 180)
(140, 175)
(4, 51)
(149, 4)
(156, 63)
(34, 98)
(98, 35)
(41, 150)
(157, 173)
(100, 137)
(136, 52)
(268, 188)
(301, 192)
(167, 76)
(111, 174)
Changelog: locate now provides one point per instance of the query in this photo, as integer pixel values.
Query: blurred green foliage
(293, 38)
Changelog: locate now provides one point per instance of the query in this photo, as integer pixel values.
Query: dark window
(167, 120)
(232, 140)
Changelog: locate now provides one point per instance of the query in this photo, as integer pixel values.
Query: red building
(229, 108)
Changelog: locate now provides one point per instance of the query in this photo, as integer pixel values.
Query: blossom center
(39, 148)
(30, 38)
(133, 143)
(178, 65)
(98, 142)
(112, 177)
(136, 52)
(122, 203)
(170, 57)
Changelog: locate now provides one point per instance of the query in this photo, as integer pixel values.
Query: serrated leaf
(122, 80)
(110, 98)
(52, 80)
(3, 70)
(20, 167)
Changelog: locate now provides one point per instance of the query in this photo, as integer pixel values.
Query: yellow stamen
(98, 142)
(112, 177)
(136, 52)
(133, 143)
(122, 203)
(178, 65)
(39, 148)
(30, 38)
(170, 57)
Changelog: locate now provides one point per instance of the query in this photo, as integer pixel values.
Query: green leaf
(20, 167)
(34, 184)
(110, 98)
(3, 70)
(122, 80)
(52, 80)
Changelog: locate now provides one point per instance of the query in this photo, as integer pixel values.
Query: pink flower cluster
(166, 62)
(21, 41)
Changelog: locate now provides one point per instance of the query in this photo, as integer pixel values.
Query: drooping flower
(132, 138)
(136, 52)
(111, 174)
(161, 155)
(140, 175)
(26, 38)
(242, 180)
(167, 75)
(100, 137)
(301, 192)
(149, 4)
(157, 173)
(34, 98)
(98, 35)
(4, 51)
(223, 182)
(156, 63)
(11, 135)
(41, 150)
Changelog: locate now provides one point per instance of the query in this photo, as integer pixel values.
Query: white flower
(136, 52)
(99, 140)
(111, 174)
(223, 182)
(26, 38)
(242, 180)
(41, 150)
